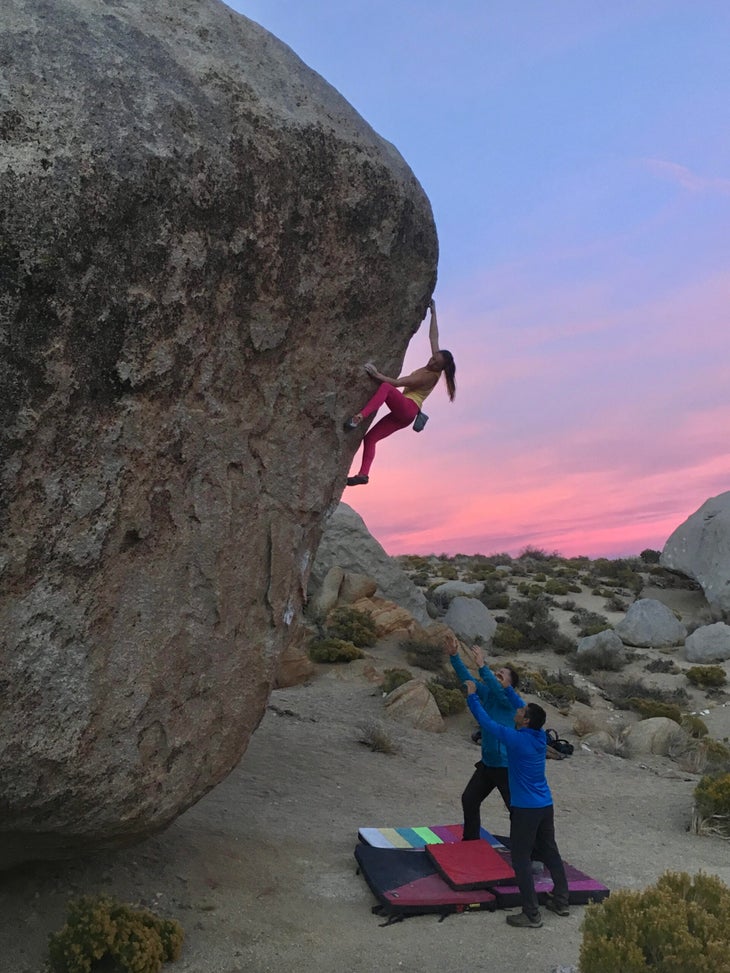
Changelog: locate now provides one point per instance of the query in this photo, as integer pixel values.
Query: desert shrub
(712, 794)
(422, 579)
(568, 605)
(333, 650)
(662, 665)
(555, 587)
(448, 572)
(413, 562)
(562, 644)
(533, 619)
(530, 553)
(557, 688)
(589, 623)
(352, 625)
(449, 701)
(679, 925)
(480, 572)
(392, 678)
(616, 604)
(600, 657)
(717, 755)
(650, 556)
(375, 737)
(508, 638)
(694, 725)
(712, 805)
(424, 654)
(649, 708)
(496, 601)
(619, 573)
(622, 694)
(706, 676)
(99, 928)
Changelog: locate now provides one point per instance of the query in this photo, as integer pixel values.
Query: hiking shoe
(352, 423)
(523, 921)
(557, 907)
(357, 480)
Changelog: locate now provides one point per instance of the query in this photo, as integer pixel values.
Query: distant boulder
(650, 624)
(347, 544)
(700, 549)
(470, 619)
(711, 643)
(657, 735)
(413, 703)
(605, 648)
(452, 589)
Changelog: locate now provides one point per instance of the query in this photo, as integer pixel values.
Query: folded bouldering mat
(470, 865)
(406, 882)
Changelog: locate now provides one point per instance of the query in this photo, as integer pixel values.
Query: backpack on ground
(558, 744)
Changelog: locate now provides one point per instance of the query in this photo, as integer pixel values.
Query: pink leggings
(402, 413)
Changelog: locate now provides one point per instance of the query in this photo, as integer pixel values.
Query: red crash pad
(469, 865)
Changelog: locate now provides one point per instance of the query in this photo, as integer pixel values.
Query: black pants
(482, 783)
(532, 835)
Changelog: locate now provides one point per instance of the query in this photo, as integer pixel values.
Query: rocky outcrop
(347, 544)
(201, 243)
(710, 643)
(700, 548)
(389, 617)
(650, 624)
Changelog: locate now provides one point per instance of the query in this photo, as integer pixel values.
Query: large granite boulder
(347, 544)
(700, 548)
(650, 624)
(200, 244)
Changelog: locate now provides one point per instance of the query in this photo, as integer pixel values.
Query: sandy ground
(261, 872)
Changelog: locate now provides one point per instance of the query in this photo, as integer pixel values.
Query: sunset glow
(577, 157)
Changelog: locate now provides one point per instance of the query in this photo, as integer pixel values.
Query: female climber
(403, 406)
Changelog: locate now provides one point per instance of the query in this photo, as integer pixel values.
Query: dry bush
(375, 737)
(583, 725)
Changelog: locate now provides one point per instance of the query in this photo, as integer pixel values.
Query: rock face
(700, 548)
(650, 624)
(200, 244)
(347, 544)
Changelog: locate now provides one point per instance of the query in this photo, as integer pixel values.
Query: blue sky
(577, 158)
